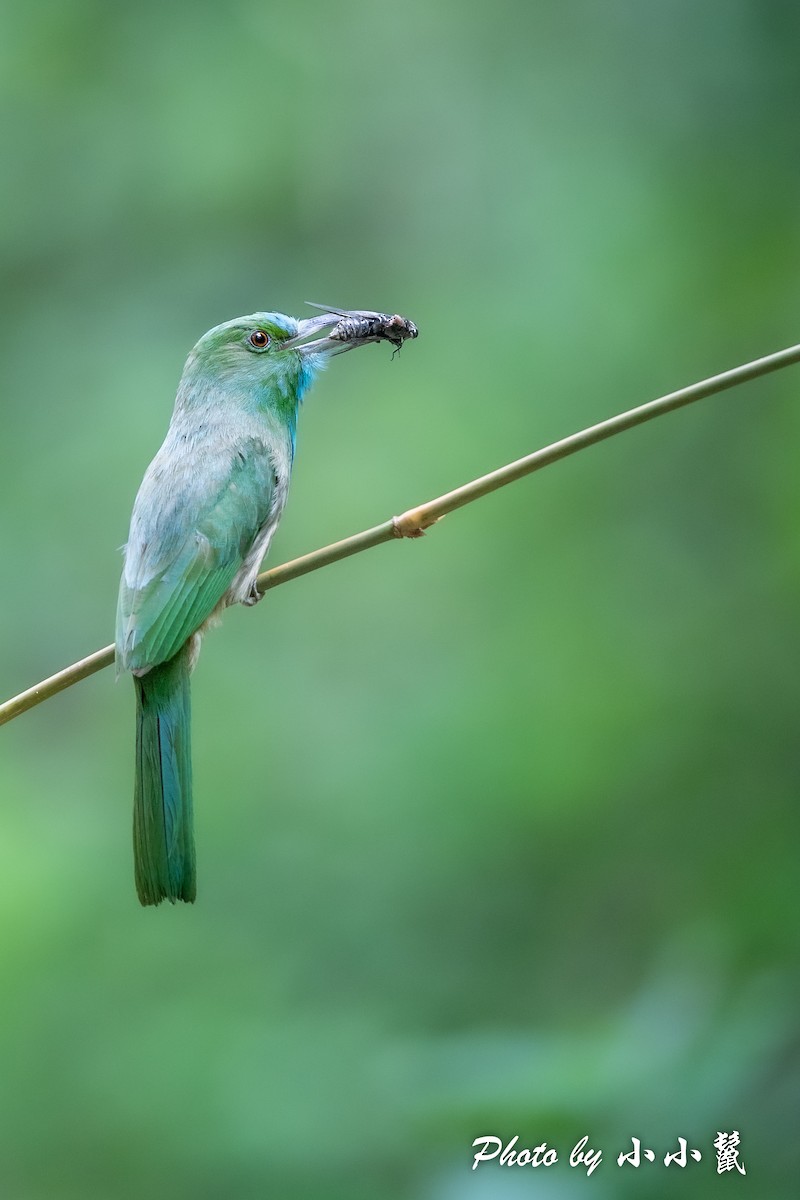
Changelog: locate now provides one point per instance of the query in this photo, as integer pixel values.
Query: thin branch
(415, 521)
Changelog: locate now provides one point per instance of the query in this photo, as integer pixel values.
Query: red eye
(259, 339)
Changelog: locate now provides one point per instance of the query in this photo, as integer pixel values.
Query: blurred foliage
(497, 831)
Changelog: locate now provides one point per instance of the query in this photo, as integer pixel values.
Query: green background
(497, 830)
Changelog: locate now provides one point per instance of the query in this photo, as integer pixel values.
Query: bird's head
(272, 350)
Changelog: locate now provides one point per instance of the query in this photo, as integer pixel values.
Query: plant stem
(415, 521)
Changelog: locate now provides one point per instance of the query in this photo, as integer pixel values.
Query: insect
(371, 327)
(380, 327)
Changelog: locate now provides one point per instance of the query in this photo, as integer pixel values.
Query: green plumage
(163, 837)
(204, 515)
(194, 547)
(203, 519)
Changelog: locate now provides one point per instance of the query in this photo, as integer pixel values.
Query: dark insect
(375, 327)
(355, 328)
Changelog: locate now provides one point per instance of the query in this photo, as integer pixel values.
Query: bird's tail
(163, 837)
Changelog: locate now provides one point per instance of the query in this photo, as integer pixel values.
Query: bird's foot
(253, 596)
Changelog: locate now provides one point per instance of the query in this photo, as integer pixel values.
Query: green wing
(190, 533)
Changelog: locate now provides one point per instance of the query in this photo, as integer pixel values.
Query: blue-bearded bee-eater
(204, 517)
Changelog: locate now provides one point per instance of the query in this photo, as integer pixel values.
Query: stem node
(413, 524)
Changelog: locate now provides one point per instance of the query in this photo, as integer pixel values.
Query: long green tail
(163, 837)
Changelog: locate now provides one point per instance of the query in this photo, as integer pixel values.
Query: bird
(202, 522)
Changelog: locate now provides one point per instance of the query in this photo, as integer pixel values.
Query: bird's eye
(259, 339)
